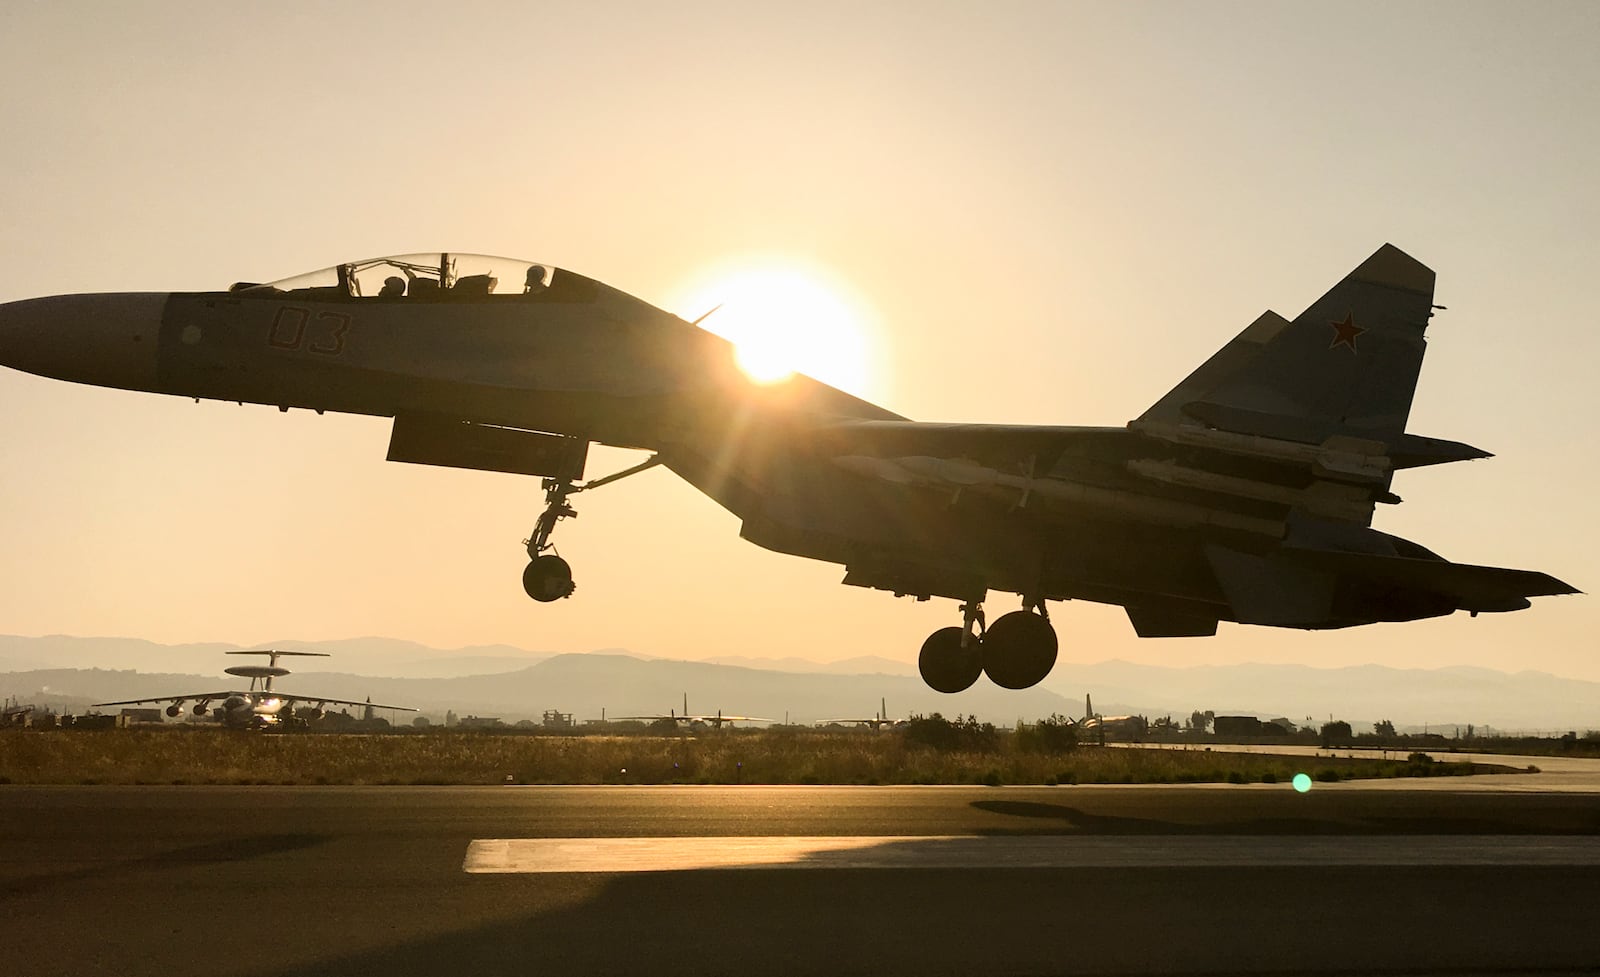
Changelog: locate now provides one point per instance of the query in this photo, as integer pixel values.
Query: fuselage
(252, 709)
(590, 362)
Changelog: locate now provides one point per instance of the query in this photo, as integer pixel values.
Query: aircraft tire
(1019, 650)
(548, 578)
(945, 665)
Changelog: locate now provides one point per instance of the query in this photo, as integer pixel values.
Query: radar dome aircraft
(1246, 494)
(260, 705)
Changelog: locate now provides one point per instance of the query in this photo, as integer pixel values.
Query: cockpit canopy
(432, 275)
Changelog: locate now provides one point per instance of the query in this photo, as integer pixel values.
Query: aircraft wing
(170, 698)
(324, 700)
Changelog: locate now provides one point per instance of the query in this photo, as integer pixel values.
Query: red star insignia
(1345, 333)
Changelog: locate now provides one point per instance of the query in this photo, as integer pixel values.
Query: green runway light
(1302, 782)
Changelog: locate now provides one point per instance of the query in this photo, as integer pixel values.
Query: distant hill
(862, 665)
(582, 684)
(515, 683)
(373, 656)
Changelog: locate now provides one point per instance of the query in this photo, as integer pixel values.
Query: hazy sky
(1040, 212)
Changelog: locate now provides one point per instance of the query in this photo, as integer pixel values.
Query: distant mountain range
(513, 684)
(369, 656)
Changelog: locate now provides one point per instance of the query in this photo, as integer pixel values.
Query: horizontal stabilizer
(1474, 588)
(1415, 451)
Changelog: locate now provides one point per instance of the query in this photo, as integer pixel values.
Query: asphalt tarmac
(1423, 877)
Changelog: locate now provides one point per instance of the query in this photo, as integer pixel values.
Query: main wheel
(945, 665)
(1019, 650)
(548, 578)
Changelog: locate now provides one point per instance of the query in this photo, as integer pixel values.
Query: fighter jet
(1246, 494)
(259, 706)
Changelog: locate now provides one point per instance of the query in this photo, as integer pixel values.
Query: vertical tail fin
(1227, 362)
(1346, 365)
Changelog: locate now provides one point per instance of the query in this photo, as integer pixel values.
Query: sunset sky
(1012, 212)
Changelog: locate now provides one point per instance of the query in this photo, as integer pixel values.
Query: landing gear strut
(1017, 652)
(548, 577)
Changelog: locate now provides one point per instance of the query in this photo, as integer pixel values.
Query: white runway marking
(527, 855)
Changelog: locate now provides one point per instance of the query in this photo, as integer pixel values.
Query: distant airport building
(554, 719)
(129, 717)
(1250, 727)
(479, 722)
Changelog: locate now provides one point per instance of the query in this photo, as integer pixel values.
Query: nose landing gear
(1017, 652)
(547, 576)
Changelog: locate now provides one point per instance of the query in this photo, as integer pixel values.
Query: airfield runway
(1483, 876)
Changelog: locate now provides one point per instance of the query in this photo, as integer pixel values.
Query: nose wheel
(547, 576)
(1017, 652)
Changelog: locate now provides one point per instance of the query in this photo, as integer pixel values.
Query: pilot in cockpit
(393, 287)
(535, 282)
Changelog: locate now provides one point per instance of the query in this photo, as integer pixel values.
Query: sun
(784, 319)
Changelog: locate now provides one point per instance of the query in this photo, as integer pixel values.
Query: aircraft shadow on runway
(1061, 819)
(225, 852)
(1195, 920)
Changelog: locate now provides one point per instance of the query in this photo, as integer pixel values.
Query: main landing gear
(548, 577)
(1016, 652)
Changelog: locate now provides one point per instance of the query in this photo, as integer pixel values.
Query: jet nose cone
(109, 340)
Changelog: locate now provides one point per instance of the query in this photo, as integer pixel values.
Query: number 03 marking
(339, 324)
(289, 330)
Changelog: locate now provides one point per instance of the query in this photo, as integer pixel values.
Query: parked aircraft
(685, 718)
(1245, 494)
(14, 712)
(876, 722)
(260, 705)
(1094, 722)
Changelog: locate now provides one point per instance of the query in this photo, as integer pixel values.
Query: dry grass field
(219, 756)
